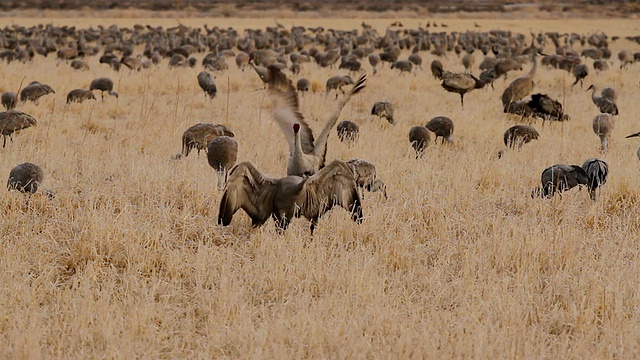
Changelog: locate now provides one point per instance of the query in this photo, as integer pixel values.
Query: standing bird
(205, 80)
(307, 155)
(609, 94)
(283, 199)
(25, 178)
(442, 126)
(437, 69)
(597, 171)
(580, 71)
(303, 85)
(103, 84)
(337, 82)
(9, 100)
(348, 131)
(460, 83)
(80, 95)
(419, 137)
(374, 60)
(222, 154)
(603, 103)
(199, 135)
(35, 91)
(366, 176)
(559, 178)
(403, 66)
(522, 86)
(12, 121)
(383, 109)
(518, 135)
(603, 125)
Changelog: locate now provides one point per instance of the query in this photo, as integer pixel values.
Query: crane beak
(632, 135)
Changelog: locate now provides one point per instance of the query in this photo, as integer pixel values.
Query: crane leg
(462, 100)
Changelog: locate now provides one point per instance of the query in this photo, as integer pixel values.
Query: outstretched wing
(321, 144)
(249, 190)
(333, 185)
(286, 110)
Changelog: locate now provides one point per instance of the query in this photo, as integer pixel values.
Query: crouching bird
(283, 199)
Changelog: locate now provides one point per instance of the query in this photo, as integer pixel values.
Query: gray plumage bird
(25, 178)
(442, 126)
(580, 72)
(103, 84)
(603, 103)
(34, 91)
(403, 66)
(597, 172)
(303, 85)
(13, 121)
(518, 135)
(383, 109)
(207, 84)
(522, 86)
(337, 82)
(222, 153)
(9, 100)
(560, 178)
(366, 176)
(603, 126)
(347, 131)
(198, 136)
(284, 199)
(80, 95)
(460, 83)
(374, 60)
(419, 137)
(437, 69)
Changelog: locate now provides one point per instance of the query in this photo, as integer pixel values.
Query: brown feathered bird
(442, 126)
(207, 84)
(25, 178)
(34, 91)
(12, 121)
(199, 135)
(383, 109)
(348, 131)
(560, 178)
(80, 95)
(460, 83)
(604, 103)
(366, 176)
(283, 199)
(603, 126)
(9, 100)
(522, 86)
(518, 135)
(222, 153)
(307, 155)
(419, 137)
(103, 84)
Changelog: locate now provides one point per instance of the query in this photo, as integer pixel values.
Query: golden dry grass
(459, 262)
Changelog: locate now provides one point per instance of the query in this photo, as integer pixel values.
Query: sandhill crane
(419, 137)
(609, 94)
(488, 77)
(199, 135)
(131, 63)
(207, 84)
(307, 155)
(366, 176)
(283, 199)
(242, 60)
(597, 172)
(625, 57)
(25, 178)
(9, 100)
(416, 59)
(35, 91)
(12, 121)
(547, 108)
(518, 135)
(600, 65)
(604, 104)
(383, 109)
(602, 126)
(468, 61)
(303, 85)
(79, 65)
(79, 95)
(374, 60)
(222, 153)
(460, 83)
(635, 135)
(580, 71)
(403, 66)
(559, 178)
(103, 84)
(347, 131)
(442, 126)
(522, 86)
(504, 66)
(437, 69)
(337, 82)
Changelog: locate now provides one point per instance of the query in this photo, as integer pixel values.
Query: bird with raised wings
(283, 199)
(307, 154)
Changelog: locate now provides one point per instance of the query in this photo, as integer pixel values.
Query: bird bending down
(12, 121)
(559, 178)
(366, 176)
(283, 199)
(307, 155)
(597, 172)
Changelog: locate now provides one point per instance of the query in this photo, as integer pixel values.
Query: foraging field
(127, 260)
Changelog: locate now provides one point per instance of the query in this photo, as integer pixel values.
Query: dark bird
(437, 69)
(206, 83)
(199, 135)
(347, 131)
(13, 121)
(547, 108)
(442, 126)
(374, 60)
(403, 66)
(419, 137)
(580, 71)
(303, 85)
(460, 83)
(103, 84)
(383, 109)
(560, 178)
(80, 95)
(518, 135)
(604, 104)
(337, 82)
(366, 176)
(597, 172)
(9, 100)
(283, 199)
(222, 154)
(307, 155)
(35, 91)
(25, 178)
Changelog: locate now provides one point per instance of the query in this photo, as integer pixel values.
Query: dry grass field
(459, 262)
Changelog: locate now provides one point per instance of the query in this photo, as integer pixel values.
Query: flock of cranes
(313, 184)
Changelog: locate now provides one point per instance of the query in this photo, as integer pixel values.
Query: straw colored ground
(127, 261)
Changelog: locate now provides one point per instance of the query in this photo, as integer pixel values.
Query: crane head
(296, 128)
